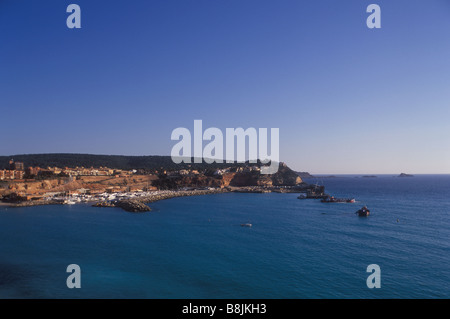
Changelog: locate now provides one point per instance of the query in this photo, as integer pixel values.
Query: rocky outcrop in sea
(133, 206)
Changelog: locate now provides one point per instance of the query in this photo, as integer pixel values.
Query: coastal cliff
(241, 178)
(131, 190)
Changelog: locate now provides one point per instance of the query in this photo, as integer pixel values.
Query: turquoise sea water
(194, 247)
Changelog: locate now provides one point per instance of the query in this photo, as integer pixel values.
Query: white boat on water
(69, 202)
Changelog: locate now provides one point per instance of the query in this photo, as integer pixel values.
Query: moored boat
(363, 212)
(332, 199)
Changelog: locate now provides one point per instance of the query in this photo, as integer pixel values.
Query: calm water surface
(194, 247)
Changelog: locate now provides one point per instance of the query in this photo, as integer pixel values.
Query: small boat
(302, 196)
(332, 199)
(69, 202)
(363, 212)
(246, 225)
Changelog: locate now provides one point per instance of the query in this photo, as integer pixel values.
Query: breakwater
(138, 205)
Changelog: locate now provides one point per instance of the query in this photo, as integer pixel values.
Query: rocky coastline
(137, 205)
(132, 193)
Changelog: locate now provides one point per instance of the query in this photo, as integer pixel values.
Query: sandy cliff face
(284, 177)
(100, 183)
(35, 186)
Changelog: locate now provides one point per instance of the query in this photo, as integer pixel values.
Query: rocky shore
(133, 206)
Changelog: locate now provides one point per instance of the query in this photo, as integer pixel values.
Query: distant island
(405, 175)
(369, 176)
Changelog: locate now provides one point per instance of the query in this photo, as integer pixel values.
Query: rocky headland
(304, 175)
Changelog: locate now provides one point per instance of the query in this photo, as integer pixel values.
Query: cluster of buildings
(245, 169)
(82, 171)
(182, 172)
(17, 171)
(217, 172)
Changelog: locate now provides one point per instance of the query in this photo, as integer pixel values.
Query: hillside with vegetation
(151, 162)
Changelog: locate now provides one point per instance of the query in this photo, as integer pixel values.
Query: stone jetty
(137, 205)
(171, 194)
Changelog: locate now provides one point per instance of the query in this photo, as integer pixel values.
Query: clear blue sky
(347, 99)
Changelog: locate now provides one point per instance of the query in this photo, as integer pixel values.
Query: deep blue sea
(194, 247)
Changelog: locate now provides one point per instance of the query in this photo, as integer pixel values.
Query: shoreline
(139, 204)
